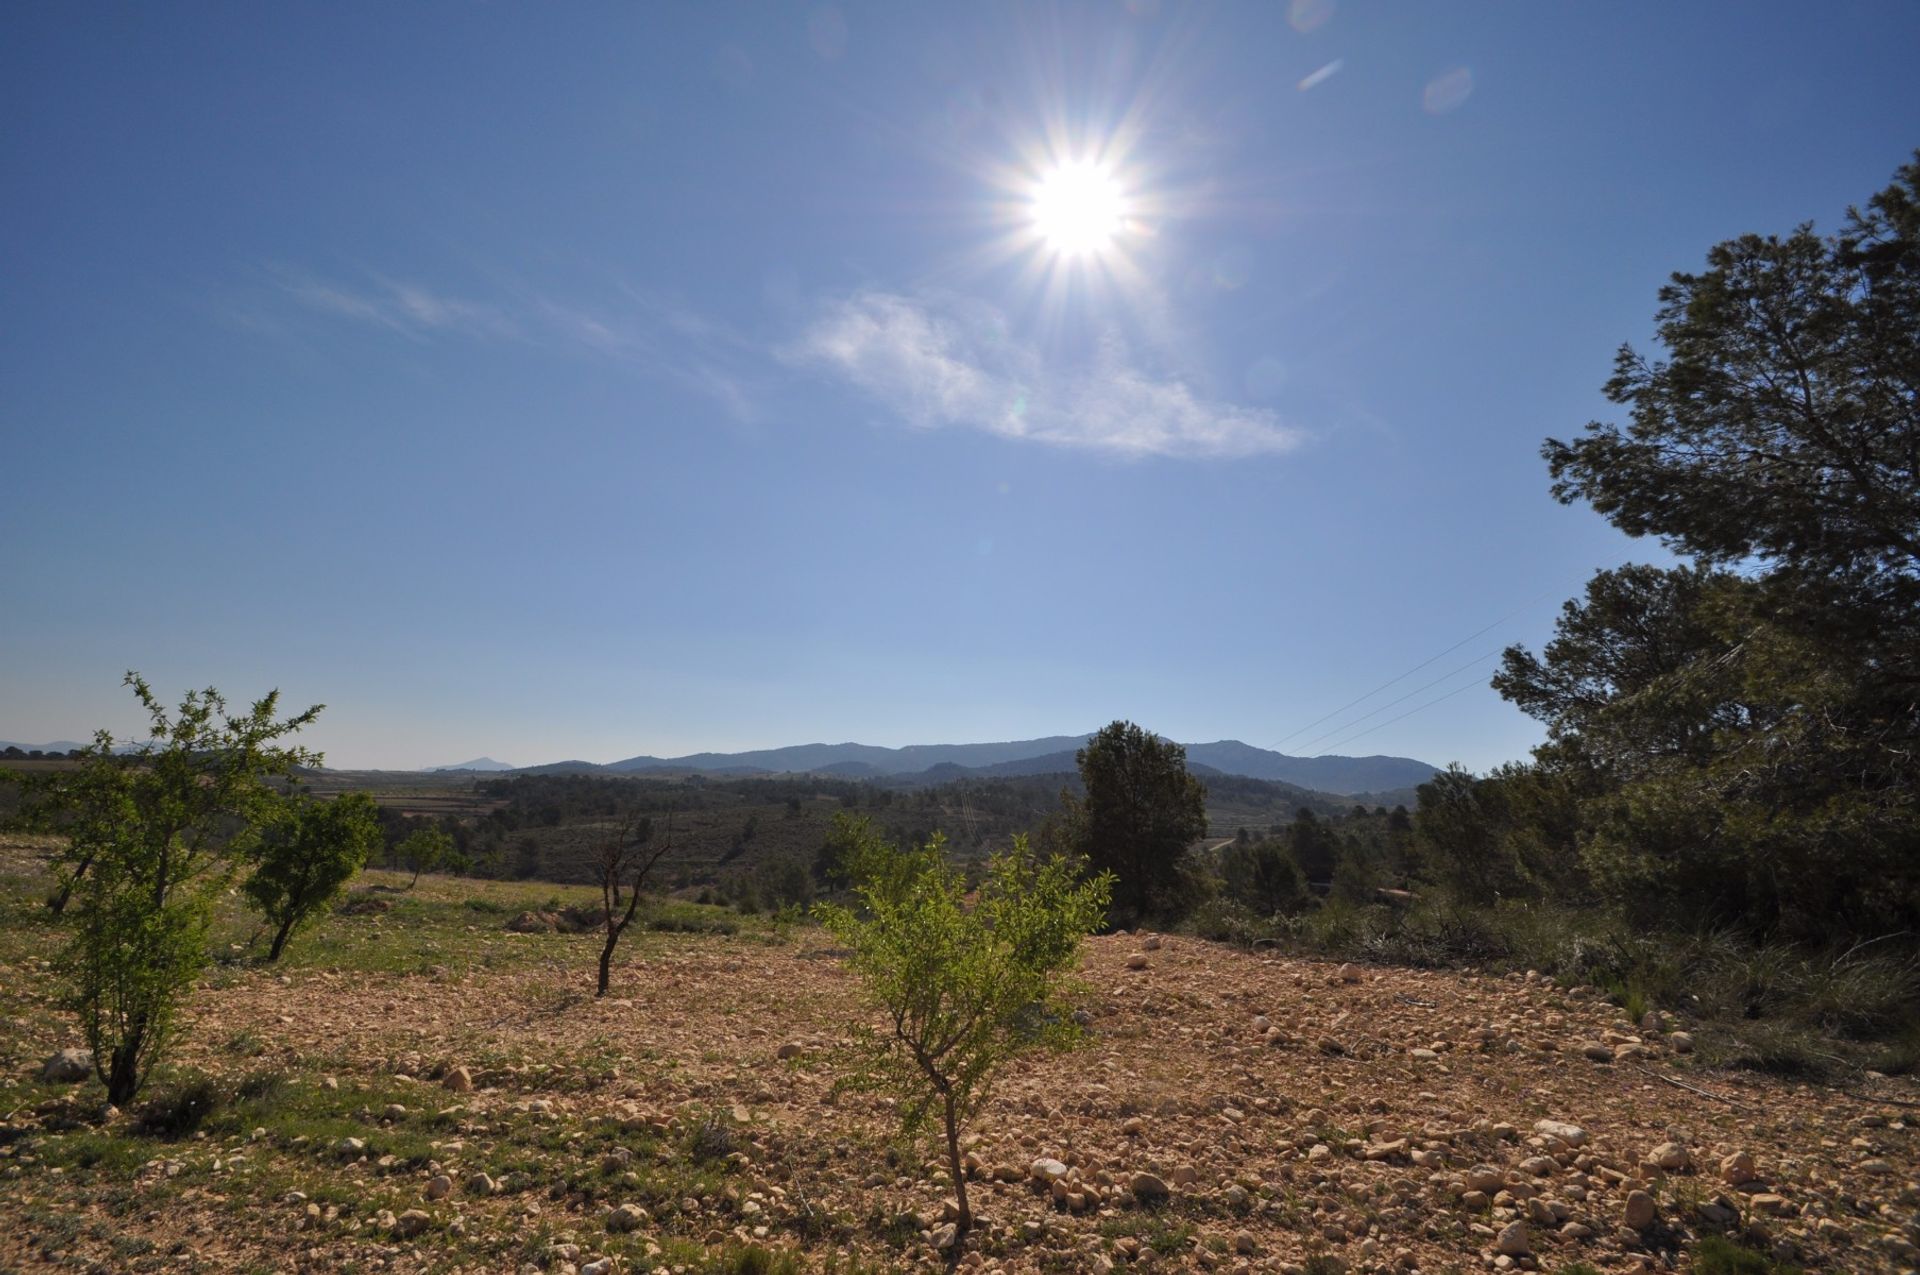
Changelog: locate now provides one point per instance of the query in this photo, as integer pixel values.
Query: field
(1299, 1115)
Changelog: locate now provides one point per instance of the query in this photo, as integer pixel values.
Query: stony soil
(1229, 1111)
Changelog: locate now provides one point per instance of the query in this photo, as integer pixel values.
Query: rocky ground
(462, 1103)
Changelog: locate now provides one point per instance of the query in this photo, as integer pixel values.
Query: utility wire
(1394, 681)
(1480, 659)
(1418, 708)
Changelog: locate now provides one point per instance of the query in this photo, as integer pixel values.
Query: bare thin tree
(625, 859)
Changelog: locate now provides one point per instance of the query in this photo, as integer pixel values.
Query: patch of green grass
(1168, 1238)
(754, 1260)
(1717, 1255)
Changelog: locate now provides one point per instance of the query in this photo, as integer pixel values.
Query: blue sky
(605, 379)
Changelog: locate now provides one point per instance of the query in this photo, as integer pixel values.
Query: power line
(1479, 659)
(1418, 708)
(1393, 681)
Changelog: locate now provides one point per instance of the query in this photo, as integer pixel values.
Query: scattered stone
(1146, 1187)
(626, 1218)
(1596, 1051)
(1738, 1169)
(1513, 1241)
(459, 1080)
(351, 1146)
(1773, 1205)
(792, 1049)
(1639, 1212)
(1680, 1042)
(68, 1067)
(481, 1184)
(946, 1237)
(440, 1187)
(1152, 943)
(411, 1223)
(1138, 961)
(1571, 1134)
(1048, 1171)
(1670, 1157)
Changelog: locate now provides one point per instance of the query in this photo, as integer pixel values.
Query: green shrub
(1717, 1255)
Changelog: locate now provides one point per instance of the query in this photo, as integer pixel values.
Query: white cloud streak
(948, 362)
(400, 307)
(647, 333)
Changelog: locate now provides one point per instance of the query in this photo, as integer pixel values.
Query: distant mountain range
(478, 763)
(1053, 754)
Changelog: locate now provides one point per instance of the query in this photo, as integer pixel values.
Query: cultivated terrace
(417, 1087)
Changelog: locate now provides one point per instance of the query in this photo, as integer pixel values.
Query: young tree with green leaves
(962, 988)
(154, 837)
(429, 849)
(1140, 813)
(306, 858)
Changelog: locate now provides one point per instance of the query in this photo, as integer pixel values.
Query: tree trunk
(123, 1076)
(416, 879)
(606, 961)
(964, 1223)
(58, 903)
(280, 940)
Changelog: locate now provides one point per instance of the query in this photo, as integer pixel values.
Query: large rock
(1571, 1134)
(1738, 1169)
(1639, 1212)
(68, 1067)
(1513, 1241)
(459, 1080)
(1147, 1188)
(1670, 1157)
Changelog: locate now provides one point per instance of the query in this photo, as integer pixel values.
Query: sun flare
(1079, 209)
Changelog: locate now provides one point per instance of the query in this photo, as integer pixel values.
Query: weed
(181, 1108)
(754, 1260)
(1716, 1255)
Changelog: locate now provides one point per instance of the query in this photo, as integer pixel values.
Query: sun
(1079, 209)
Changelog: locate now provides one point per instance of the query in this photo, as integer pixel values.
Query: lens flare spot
(1321, 76)
(1446, 91)
(1309, 15)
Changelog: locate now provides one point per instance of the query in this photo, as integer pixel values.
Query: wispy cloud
(651, 334)
(948, 362)
(406, 308)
